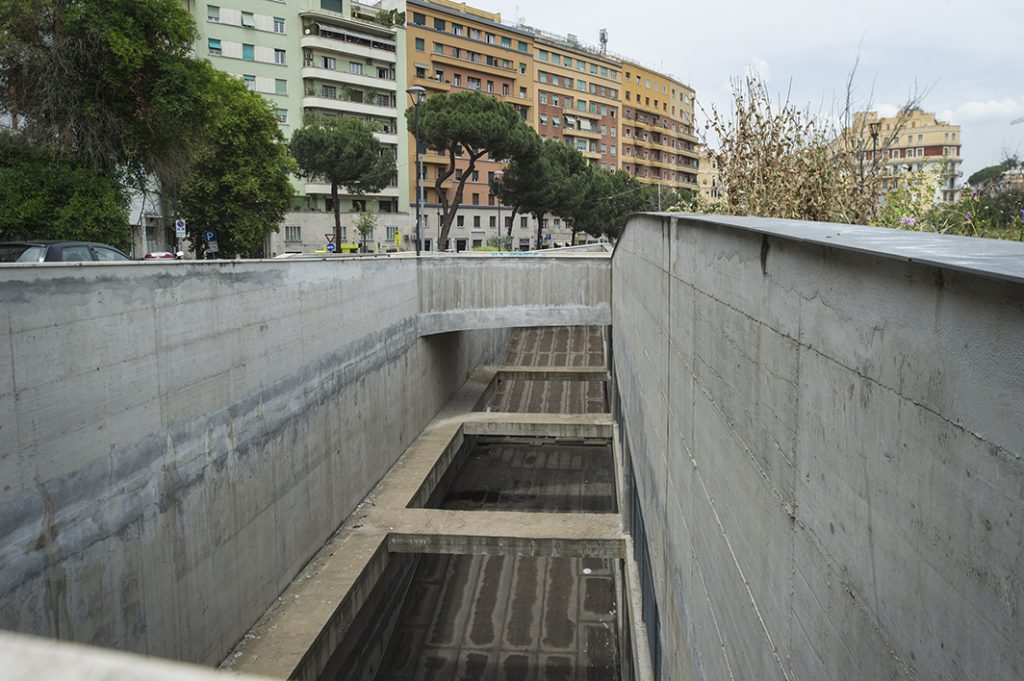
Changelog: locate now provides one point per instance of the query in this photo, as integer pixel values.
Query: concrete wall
(177, 439)
(476, 292)
(828, 444)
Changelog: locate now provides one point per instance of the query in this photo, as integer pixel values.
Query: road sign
(179, 228)
(330, 238)
(210, 238)
(330, 248)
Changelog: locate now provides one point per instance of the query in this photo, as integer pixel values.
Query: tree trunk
(572, 239)
(540, 232)
(511, 224)
(337, 217)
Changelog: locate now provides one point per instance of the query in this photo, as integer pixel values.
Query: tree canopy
(238, 181)
(343, 152)
(470, 124)
(46, 197)
(105, 81)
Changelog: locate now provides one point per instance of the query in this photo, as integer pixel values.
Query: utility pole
(418, 93)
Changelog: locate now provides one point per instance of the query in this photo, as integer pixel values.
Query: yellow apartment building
(658, 142)
(922, 143)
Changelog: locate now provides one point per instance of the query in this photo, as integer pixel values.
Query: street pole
(418, 93)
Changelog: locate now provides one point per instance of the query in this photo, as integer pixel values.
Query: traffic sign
(179, 228)
(330, 248)
(330, 238)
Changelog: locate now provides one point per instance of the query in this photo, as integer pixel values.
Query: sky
(966, 58)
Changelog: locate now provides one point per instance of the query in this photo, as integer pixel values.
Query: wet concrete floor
(520, 618)
(553, 347)
(551, 477)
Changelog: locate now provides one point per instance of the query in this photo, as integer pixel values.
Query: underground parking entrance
(493, 550)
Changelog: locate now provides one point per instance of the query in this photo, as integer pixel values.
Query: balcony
(325, 189)
(338, 76)
(318, 101)
(365, 48)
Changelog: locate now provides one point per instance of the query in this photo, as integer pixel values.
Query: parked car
(163, 255)
(59, 251)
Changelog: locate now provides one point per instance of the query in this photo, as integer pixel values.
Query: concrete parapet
(179, 439)
(823, 423)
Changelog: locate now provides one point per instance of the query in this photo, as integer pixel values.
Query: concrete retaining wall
(479, 292)
(176, 440)
(828, 444)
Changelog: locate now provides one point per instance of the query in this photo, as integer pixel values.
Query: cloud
(991, 111)
(886, 110)
(758, 68)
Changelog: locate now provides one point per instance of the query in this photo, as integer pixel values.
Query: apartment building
(658, 142)
(578, 97)
(322, 57)
(453, 47)
(919, 142)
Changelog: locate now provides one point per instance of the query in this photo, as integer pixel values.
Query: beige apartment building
(918, 142)
(565, 89)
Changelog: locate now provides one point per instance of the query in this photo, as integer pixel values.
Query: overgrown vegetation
(776, 159)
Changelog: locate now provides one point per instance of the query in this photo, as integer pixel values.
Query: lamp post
(417, 93)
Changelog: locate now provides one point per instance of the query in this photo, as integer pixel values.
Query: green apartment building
(329, 57)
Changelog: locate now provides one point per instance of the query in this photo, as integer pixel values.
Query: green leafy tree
(516, 184)
(366, 223)
(343, 152)
(43, 196)
(471, 124)
(238, 182)
(107, 82)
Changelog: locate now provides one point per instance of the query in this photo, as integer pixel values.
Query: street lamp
(417, 93)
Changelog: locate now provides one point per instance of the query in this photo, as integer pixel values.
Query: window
(506, 42)
(460, 221)
(333, 5)
(490, 38)
(278, 25)
(419, 19)
(392, 230)
(250, 82)
(212, 13)
(556, 121)
(504, 89)
(292, 233)
(593, 69)
(456, 28)
(355, 67)
(439, 49)
(421, 72)
(247, 20)
(213, 45)
(522, 222)
(476, 220)
(476, 200)
(279, 56)
(248, 52)
(359, 206)
(329, 91)
(554, 100)
(473, 83)
(542, 77)
(522, 93)
(280, 86)
(476, 176)
(420, 44)
(523, 46)
(490, 86)
(328, 63)
(439, 24)
(457, 80)
(543, 98)
(439, 75)
(543, 119)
